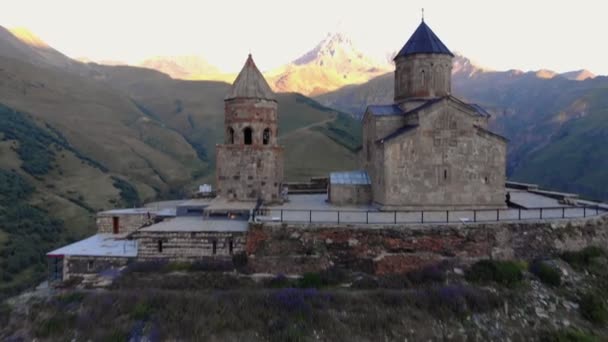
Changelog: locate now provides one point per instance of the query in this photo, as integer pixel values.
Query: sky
(516, 34)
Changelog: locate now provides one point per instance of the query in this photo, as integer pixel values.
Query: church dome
(424, 40)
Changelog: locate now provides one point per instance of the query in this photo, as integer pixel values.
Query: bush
(508, 273)
(593, 308)
(334, 276)
(279, 281)
(55, 325)
(569, 335)
(141, 311)
(365, 283)
(547, 274)
(151, 266)
(212, 265)
(584, 257)
(310, 280)
(458, 299)
(430, 274)
(239, 260)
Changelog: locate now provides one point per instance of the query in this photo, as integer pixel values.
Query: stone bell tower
(423, 67)
(249, 164)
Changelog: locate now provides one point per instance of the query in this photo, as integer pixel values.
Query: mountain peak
(27, 37)
(334, 45)
(578, 75)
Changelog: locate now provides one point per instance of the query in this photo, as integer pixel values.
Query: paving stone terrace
(526, 203)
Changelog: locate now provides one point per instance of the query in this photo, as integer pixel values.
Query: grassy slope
(196, 109)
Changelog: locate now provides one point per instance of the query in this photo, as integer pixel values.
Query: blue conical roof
(423, 41)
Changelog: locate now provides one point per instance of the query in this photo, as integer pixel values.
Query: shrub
(365, 283)
(548, 274)
(508, 273)
(569, 335)
(141, 311)
(429, 274)
(55, 325)
(212, 265)
(334, 276)
(178, 266)
(5, 314)
(239, 260)
(310, 280)
(458, 299)
(151, 266)
(584, 257)
(593, 308)
(279, 281)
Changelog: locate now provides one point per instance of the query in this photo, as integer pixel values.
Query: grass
(593, 308)
(583, 258)
(284, 314)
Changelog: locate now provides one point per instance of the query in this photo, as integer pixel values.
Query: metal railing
(424, 216)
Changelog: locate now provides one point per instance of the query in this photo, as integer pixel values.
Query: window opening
(248, 135)
(266, 136)
(231, 135)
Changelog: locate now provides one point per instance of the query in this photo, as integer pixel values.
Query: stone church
(428, 149)
(249, 165)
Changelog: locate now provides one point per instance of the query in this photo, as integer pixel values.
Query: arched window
(423, 78)
(231, 135)
(266, 136)
(248, 135)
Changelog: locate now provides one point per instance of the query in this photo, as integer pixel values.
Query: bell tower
(423, 67)
(249, 164)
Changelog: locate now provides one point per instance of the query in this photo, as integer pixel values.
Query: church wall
(445, 164)
(423, 76)
(248, 172)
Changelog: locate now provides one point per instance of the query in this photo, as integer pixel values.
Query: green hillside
(195, 109)
(575, 158)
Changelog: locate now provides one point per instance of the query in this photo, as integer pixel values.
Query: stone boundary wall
(188, 246)
(383, 249)
(90, 266)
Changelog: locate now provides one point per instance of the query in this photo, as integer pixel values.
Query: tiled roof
(379, 110)
(250, 83)
(400, 131)
(349, 177)
(423, 41)
(479, 109)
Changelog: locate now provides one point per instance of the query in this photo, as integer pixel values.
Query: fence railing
(424, 216)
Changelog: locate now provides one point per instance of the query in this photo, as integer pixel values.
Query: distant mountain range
(332, 64)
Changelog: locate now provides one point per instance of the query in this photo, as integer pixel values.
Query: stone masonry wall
(298, 248)
(188, 246)
(349, 194)
(127, 223)
(423, 75)
(85, 266)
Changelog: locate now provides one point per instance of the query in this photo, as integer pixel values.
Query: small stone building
(249, 164)
(428, 149)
